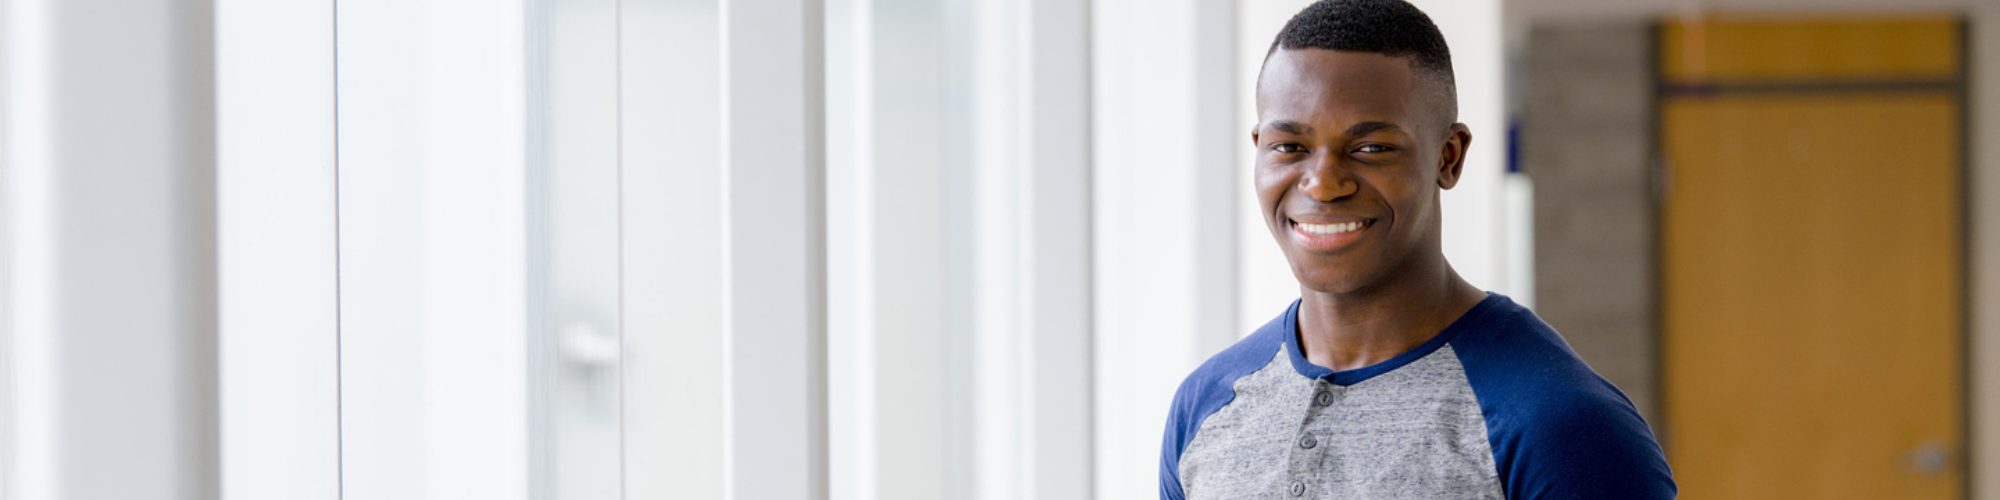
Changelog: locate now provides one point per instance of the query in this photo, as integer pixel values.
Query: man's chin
(1332, 281)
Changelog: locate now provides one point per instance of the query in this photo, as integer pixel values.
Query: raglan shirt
(1495, 406)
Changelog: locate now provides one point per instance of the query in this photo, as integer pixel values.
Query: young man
(1390, 377)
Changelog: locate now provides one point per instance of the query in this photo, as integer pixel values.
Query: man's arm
(1177, 435)
(1589, 450)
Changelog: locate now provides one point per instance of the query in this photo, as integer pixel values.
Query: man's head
(1355, 139)
(1388, 27)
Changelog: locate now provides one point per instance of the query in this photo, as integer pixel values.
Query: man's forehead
(1336, 66)
(1332, 88)
(1318, 81)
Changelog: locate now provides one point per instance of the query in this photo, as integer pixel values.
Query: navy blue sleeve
(1558, 430)
(1181, 424)
(1585, 451)
(1211, 387)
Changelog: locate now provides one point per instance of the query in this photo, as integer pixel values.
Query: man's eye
(1288, 148)
(1375, 148)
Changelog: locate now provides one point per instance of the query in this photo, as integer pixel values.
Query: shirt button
(1298, 488)
(1324, 398)
(1307, 441)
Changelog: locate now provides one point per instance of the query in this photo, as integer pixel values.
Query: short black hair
(1388, 27)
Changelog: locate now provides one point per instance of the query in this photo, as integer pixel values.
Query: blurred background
(922, 249)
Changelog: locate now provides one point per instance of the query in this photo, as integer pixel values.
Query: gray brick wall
(1587, 142)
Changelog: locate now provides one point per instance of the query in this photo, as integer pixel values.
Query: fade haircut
(1389, 27)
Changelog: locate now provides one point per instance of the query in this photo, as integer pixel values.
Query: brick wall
(1587, 143)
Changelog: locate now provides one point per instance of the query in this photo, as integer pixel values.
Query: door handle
(1931, 458)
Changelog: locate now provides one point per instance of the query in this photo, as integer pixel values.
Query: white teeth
(1330, 228)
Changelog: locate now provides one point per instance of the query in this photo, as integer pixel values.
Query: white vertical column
(1165, 214)
(1056, 249)
(851, 403)
(573, 206)
(473, 211)
(886, 169)
(986, 234)
(672, 240)
(433, 269)
(110, 208)
(773, 257)
(902, 174)
(279, 333)
(381, 242)
(1216, 136)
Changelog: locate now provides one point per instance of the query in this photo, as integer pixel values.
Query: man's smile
(1327, 236)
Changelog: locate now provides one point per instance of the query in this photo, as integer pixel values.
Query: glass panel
(923, 239)
(672, 218)
(574, 340)
(432, 278)
(479, 251)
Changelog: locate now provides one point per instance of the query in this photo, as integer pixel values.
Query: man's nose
(1326, 179)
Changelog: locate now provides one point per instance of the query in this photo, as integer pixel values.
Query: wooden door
(1812, 320)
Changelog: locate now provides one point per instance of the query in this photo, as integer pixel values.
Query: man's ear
(1451, 161)
(1253, 137)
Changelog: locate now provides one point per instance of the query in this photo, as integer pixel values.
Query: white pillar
(1216, 140)
(1056, 249)
(110, 221)
(279, 333)
(1165, 218)
(433, 228)
(773, 251)
(672, 240)
(987, 235)
(887, 166)
(574, 326)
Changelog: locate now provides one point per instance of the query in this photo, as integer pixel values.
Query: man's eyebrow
(1290, 127)
(1365, 128)
(1358, 130)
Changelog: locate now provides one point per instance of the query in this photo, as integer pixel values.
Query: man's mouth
(1328, 236)
(1325, 229)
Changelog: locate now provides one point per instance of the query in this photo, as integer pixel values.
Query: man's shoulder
(1557, 428)
(1508, 349)
(1247, 355)
(1209, 388)
(1524, 374)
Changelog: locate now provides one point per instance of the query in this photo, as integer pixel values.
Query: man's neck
(1354, 330)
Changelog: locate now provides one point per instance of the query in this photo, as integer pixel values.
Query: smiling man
(1391, 377)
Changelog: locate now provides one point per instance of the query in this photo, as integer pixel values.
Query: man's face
(1350, 161)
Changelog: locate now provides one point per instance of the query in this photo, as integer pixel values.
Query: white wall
(773, 160)
(276, 250)
(109, 165)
